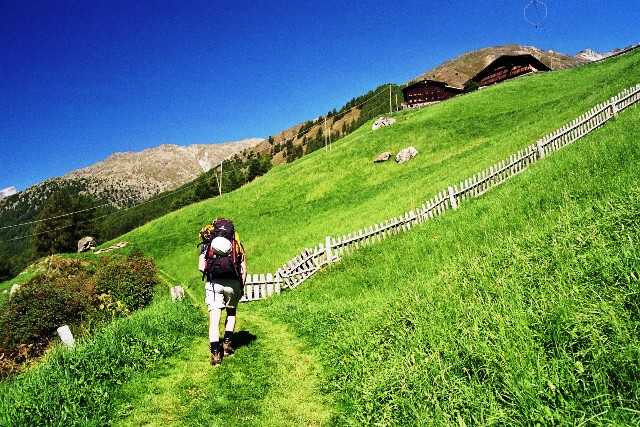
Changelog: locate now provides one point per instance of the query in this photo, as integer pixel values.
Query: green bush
(29, 318)
(130, 280)
(75, 293)
(43, 304)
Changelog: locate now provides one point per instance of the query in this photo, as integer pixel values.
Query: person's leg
(215, 303)
(230, 322)
(214, 325)
(214, 336)
(229, 326)
(232, 292)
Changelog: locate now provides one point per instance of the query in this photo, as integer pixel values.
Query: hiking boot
(227, 349)
(216, 359)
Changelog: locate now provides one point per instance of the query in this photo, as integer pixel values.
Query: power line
(54, 217)
(93, 219)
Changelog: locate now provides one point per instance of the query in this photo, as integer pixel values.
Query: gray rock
(383, 157)
(86, 244)
(406, 154)
(382, 121)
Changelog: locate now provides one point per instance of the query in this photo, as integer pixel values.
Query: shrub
(29, 319)
(43, 304)
(72, 292)
(130, 280)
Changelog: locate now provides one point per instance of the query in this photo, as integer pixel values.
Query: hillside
(343, 190)
(519, 309)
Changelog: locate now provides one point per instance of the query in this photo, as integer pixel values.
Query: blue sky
(81, 80)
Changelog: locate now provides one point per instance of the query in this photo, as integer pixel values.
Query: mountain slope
(519, 308)
(481, 316)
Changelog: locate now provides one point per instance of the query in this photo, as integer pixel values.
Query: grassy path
(272, 374)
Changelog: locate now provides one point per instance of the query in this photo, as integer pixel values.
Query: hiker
(222, 261)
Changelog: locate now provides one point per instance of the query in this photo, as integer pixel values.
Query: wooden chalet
(426, 92)
(507, 67)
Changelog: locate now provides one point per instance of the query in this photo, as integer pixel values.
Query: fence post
(177, 293)
(278, 281)
(327, 248)
(452, 198)
(540, 149)
(66, 336)
(614, 109)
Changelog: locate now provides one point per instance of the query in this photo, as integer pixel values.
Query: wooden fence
(303, 266)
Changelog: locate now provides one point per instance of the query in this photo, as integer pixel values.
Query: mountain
(457, 71)
(592, 56)
(131, 177)
(9, 191)
(159, 169)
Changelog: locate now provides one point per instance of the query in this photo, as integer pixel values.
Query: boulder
(86, 244)
(406, 154)
(382, 121)
(383, 157)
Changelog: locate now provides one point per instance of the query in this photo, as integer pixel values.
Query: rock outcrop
(86, 244)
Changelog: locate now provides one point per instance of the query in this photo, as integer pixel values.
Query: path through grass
(271, 381)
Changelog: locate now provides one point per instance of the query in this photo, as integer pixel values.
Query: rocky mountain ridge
(127, 178)
(161, 168)
(593, 56)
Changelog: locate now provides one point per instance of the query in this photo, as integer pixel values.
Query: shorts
(222, 293)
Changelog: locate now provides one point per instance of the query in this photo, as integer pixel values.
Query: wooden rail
(305, 265)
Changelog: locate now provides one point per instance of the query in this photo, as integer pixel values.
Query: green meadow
(520, 308)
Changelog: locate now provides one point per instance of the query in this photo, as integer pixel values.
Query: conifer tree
(61, 223)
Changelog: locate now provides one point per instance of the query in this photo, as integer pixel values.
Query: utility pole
(325, 133)
(390, 108)
(220, 180)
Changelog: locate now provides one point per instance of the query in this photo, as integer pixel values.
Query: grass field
(520, 308)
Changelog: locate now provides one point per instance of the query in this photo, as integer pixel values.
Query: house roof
(427, 82)
(511, 59)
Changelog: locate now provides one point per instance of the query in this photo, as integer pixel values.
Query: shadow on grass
(243, 338)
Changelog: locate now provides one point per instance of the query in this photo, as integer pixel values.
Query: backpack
(214, 264)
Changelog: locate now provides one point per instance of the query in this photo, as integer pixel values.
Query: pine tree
(62, 222)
